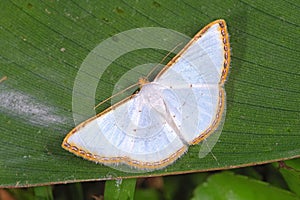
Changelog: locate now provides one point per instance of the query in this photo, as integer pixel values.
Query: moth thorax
(143, 81)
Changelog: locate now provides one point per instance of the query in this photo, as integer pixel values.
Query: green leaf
(43, 192)
(290, 170)
(44, 43)
(147, 194)
(227, 185)
(122, 189)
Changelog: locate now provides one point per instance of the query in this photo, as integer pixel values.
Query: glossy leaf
(44, 43)
(229, 186)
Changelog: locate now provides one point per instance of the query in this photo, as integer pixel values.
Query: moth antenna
(162, 60)
(118, 93)
(210, 151)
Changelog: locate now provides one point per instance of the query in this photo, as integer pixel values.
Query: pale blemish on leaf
(27, 107)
